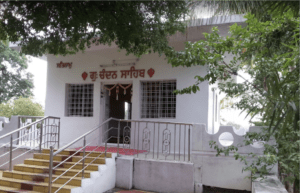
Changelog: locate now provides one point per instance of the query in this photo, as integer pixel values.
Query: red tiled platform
(114, 150)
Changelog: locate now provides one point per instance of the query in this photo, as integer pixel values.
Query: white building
(87, 88)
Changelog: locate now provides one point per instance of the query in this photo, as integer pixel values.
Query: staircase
(33, 175)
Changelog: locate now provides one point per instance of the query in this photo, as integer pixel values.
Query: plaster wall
(154, 175)
(221, 171)
(163, 176)
(124, 170)
(189, 108)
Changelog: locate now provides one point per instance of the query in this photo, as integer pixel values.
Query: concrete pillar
(124, 172)
(197, 137)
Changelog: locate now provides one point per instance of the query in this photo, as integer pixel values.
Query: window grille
(158, 99)
(80, 100)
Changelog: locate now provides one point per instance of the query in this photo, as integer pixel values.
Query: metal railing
(154, 139)
(160, 139)
(34, 133)
(84, 139)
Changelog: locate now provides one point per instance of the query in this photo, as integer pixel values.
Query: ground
(206, 189)
(118, 190)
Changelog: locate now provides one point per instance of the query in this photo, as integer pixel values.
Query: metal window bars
(33, 133)
(158, 99)
(80, 100)
(144, 142)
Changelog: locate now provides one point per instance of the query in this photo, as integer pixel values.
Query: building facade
(87, 88)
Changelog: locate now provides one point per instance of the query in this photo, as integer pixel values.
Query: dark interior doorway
(120, 108)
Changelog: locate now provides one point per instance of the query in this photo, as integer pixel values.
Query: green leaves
(21, 106)
(267, 51)
(66, 27)
(14, 80)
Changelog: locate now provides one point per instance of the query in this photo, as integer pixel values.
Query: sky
(38, 68)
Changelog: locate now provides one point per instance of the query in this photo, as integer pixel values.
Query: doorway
(118, 105)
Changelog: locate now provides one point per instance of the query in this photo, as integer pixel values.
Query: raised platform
(122, 151)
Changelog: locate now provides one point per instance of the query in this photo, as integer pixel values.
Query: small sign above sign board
(64, 65)
(131, 73)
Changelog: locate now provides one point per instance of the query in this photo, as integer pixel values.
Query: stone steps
(33, 174)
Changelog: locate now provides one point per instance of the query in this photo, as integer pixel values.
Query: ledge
(271, 184)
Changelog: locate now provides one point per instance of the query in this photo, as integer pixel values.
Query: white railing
(33, 135)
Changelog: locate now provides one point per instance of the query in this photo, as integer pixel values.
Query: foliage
(268, 51)
(21, 106)
(14, 80)
(65, 27)
(257, 8)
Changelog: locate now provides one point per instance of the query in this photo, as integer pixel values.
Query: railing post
(41, 137)
(58, 138)
(118, 138)
(138, 140)
(105, 147)
(189, 144)
(50, 169)
(175, 142)
(84, 143)
(10, 152)
(18, 141)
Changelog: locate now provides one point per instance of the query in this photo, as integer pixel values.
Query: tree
(268, 50)
(21, 106)
(257, 8)
(66, 27)
(14, 80)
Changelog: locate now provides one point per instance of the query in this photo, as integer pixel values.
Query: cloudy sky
(38, 68)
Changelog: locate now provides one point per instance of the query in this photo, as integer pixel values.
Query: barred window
(80, 100)
(158, 99)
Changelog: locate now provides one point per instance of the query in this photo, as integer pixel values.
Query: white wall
(222, 171)
(163, 176)
(189, 108)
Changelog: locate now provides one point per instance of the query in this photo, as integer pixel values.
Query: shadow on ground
(208, 189)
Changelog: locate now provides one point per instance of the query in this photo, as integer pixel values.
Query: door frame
(103, 103)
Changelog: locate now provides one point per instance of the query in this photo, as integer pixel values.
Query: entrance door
(119, 105)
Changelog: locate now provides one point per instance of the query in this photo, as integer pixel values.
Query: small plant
(23, 119)
(28, 127)
(38, 126)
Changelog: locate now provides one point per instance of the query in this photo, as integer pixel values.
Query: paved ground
(118, 190)
(206, 189)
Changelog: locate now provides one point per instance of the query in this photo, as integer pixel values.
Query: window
(80, 100)
(158, 99)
